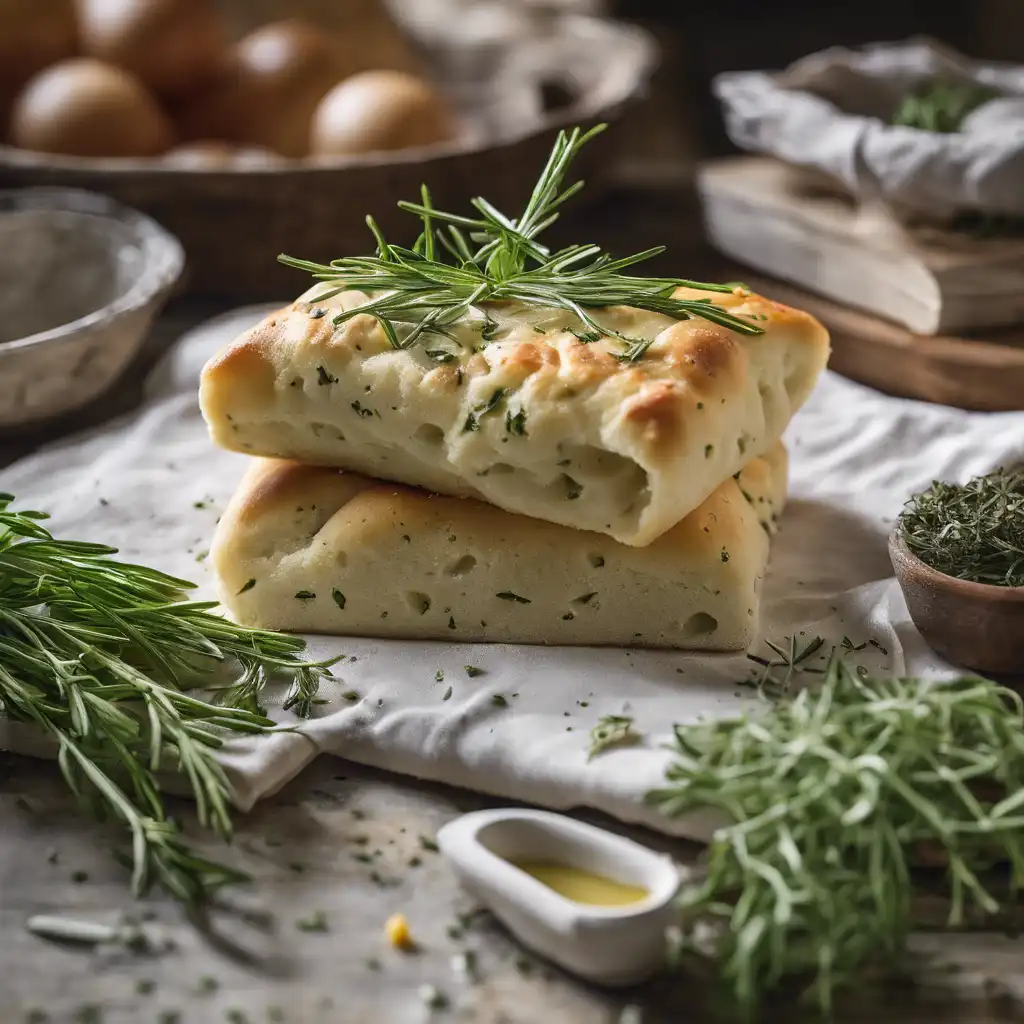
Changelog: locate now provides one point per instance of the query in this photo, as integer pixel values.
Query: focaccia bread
(524, 410)
(318, 550)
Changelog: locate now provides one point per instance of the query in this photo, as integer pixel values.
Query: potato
(380, 110)
(268, 89)
(33, 35)
(173, 46)
(82, 107)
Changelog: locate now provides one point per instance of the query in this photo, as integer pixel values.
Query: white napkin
(856, 457)
(830, 111)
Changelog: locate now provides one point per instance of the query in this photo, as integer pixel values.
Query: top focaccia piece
(522, 407)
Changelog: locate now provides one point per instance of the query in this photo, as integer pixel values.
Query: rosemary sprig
(459, 263)
(940, 106)
(973, 531)
(831, 797)
(100, 655)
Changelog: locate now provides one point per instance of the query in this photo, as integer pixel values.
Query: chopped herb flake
(249, 584)
(339, 598)
(612, 731)
(516, 424)
(472, 671)
(572, 489)
(316, 922)
(507, 595)
(323, 377)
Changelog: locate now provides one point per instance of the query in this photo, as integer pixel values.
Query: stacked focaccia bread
(568, 496)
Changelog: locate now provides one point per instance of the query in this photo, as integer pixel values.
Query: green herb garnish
(339, 598)
(507, 595)
(101, 656)
(611, 731)
(830, 798)
(323, 378)
(940, 106)
(458, 263)
(472, 671)
(973, 531)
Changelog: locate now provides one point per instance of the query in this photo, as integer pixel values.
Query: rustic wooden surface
(307, 849)
(984, 373)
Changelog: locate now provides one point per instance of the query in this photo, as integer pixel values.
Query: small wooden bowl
(976, 625)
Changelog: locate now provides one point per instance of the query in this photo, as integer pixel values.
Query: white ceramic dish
(611, 946)
(81, 278)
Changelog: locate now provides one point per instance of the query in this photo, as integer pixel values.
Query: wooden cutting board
(985, 373)
(782, 221)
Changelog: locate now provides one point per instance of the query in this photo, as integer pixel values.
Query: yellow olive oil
(582, 886)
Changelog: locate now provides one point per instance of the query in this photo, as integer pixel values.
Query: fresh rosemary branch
(973, 531)
(100, 655)
(831, 797)
(940, 107)
(459, 263)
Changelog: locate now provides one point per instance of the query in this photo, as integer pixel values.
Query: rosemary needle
(101, 656)
(450, 274)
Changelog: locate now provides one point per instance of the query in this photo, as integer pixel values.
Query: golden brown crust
(504, 418)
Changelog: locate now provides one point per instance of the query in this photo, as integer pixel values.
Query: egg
(82, 107)
(268, 89)
(172, 46)
(380, 110)
(33, 35)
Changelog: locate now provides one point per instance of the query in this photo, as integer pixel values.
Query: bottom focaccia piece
(316, 550)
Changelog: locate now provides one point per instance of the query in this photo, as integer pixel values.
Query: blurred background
(250, 128)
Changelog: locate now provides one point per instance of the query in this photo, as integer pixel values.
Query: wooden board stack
(913, 310)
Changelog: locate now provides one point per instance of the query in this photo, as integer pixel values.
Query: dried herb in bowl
(972, 531)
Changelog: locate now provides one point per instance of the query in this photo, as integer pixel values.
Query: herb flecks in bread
(387, 560)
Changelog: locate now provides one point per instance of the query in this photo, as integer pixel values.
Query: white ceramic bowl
(81, 279)
(611, 946)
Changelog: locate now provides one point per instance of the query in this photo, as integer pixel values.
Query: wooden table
(347, 841)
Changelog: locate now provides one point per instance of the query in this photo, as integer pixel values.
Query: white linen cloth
(856, 456)
(830, 111)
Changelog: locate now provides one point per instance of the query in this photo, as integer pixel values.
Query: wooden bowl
(234, 221)
(975, 625)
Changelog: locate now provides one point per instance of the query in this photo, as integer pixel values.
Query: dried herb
(973, 531)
